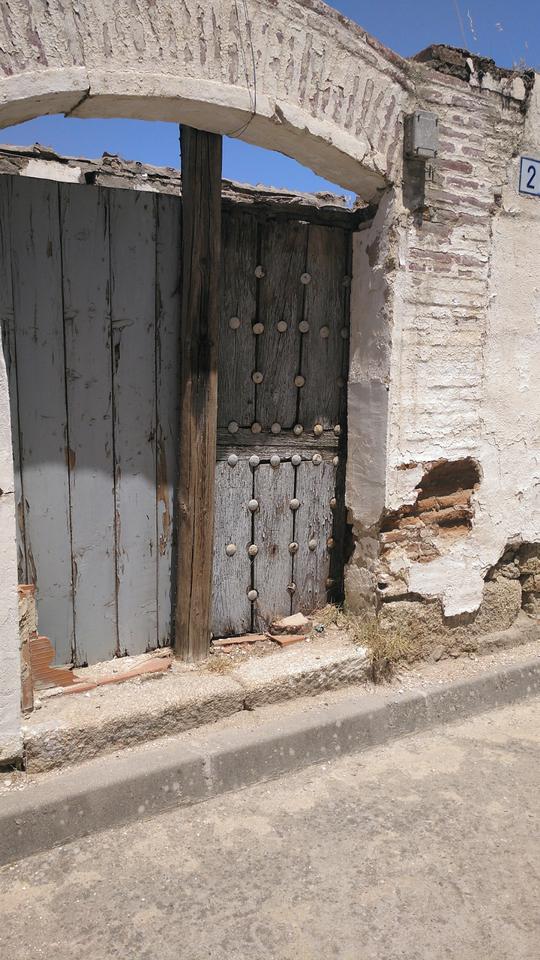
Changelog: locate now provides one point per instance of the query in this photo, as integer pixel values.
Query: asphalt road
(428, 848)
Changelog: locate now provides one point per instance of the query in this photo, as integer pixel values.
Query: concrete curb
(161, 776)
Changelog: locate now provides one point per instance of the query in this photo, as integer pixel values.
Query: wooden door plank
(232, 576)
(274, 525)
(37, 291)
(315, 484)
(325, 311)
(134, 403)
(201, 269)
(10, 357)
(237, 343)
(87, 320)
(283, 255)
(168, 306)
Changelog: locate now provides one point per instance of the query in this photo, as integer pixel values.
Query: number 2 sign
(529, 177)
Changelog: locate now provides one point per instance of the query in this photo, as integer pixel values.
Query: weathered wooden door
(279, 520)
(90, 315)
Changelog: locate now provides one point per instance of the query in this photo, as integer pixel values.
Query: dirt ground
(427, 849)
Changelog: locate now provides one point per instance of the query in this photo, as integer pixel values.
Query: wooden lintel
(201, 255)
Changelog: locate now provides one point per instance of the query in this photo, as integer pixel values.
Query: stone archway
(295, 76)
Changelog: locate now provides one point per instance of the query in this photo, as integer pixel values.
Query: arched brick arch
(290, 75)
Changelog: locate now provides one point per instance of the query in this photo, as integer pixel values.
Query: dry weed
(388, 646)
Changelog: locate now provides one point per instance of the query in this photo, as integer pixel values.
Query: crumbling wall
(464, 347)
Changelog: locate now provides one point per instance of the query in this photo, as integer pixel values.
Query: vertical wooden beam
(201, 254)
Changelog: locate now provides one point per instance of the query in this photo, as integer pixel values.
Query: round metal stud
(324, 332)
(333, 503)
(252, 595)
(337, 430)
(330, 543)
(296, 459)
(234, 323)
(253, 550)
(346, 281)
(253, 505)
(312, 544)
(305, 278)
(292, 588)
(316, 459)
(257, 376)
(275, 461)
(293, 547)
(232, 459)
(335, 461)
(303, 326)
(294, 504)
(298, 429)
(276, 427)
(256, 427)
(260, 272)
(344, 333)
(254, 461)
(258, 328)
(281, 326)
(318, 429)
(299, 380)
(233, 427)
(230, 549)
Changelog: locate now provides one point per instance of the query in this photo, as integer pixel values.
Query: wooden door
(90, 315)
(278, 534)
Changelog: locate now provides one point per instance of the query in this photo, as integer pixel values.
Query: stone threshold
(65, 730)
(69, 729)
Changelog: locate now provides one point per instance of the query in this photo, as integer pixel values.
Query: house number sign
(529, 177)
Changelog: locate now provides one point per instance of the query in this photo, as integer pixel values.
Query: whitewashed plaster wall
(10, 681)
(465, 363)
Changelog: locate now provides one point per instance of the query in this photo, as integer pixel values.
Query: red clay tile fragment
(230, 641)
(43, 673)
(155, 665)
(285, 639)
(82, 687)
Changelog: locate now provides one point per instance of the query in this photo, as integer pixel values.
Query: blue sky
(506, 31)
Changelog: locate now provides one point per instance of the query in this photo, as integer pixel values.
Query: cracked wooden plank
(236, 400)
(315, 483)
(132, 226)
(325, 311)
(168, 265)
(37, 292)
(283, 254)
(274, 526)
(231, 578)
(86, 295)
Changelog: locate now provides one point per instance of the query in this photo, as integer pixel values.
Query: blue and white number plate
(529, 177)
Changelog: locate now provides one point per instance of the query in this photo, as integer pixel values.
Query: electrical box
(421, 135)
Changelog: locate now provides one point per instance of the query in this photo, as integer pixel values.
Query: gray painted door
(90, 311)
